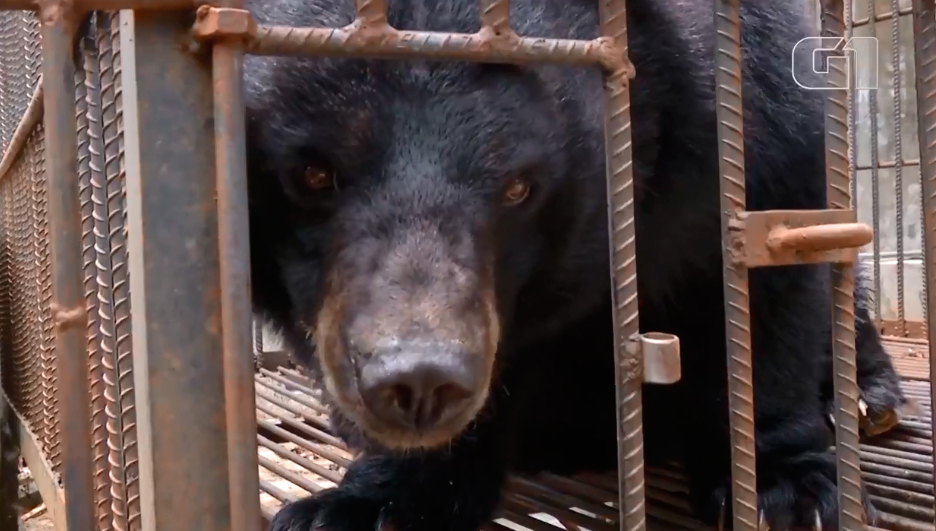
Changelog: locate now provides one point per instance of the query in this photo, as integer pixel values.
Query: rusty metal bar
(100, 5)
(68, 305)
(234, 250)
(737, 301)
(848, 458)
(880, 17)
(176, 292)
(623, 261)
(821, 237)
(924, 42)
(388, 43)
(495, 15)
(898, 166)
(113, 285)
(889, 164)
(371, 13)
(90, 155)
(875, 179)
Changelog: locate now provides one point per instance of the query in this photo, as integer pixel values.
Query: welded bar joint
(792, 237)
(223, 22)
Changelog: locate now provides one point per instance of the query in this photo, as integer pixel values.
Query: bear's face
(403, 205)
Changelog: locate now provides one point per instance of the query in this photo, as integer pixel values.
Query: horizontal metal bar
(31, 118)
(913, 254)
(757, 238)
(100, 5)
(385, 42)
(890, 164)
(880, 17)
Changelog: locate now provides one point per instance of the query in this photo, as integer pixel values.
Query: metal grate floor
(299, 457)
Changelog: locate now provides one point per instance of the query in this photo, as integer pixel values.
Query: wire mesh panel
(28, 328)
(887, 162)
(29, 357)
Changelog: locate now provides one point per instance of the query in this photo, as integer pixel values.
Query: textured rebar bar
(113, 294)
(851, 512)
(33, 51)
(623, 262)
(14, 378)
(875, 183)
(729, 106)
(924, 46)
(898, 167)
(117, 185)
(90, 164)
(28, 58)
(395, 44)
(44, 312)
(852, 111)
(371, 12)
(24, 304)
(16, 79)
(7, 117)
(495, 14)
(10, 368)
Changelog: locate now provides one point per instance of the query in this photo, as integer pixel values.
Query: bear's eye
(516, 191)
(318, 177)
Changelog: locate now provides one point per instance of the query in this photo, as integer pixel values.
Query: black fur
(434, 142)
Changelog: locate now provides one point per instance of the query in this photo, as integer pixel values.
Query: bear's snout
(420, 386)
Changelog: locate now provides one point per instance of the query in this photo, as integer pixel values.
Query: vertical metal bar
(175, 287)
(495, 14)
(898, 167)
(90, 151)
(69, 314)
(852, 113)
(623, 258)
(7, 118)
(729, 109)
(371, 12)
(113, 289)
(924, 50)
(233, 234)
(115, 176)
(875, 180)
(851, 512)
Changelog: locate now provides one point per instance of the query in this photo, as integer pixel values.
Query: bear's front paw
(881, 408)
(334, 510)
(793, 497)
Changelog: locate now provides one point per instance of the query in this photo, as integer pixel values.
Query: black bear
(432, 237)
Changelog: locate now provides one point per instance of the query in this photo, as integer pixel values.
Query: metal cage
(103, 309)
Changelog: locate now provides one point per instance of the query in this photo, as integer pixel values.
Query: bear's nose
(417, 386)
